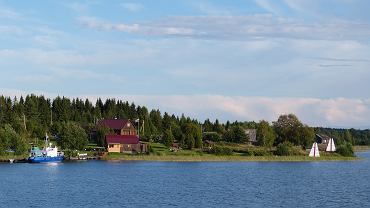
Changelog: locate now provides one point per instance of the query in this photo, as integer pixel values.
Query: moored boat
(49, 153)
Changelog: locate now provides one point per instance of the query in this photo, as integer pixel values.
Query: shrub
(284, 149)
(345, 150)
(261, 152)
(221, 150)
(287, 149)
(257, 152)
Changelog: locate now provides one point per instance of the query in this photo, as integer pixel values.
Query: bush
(261, 152)
(287, 149)
(284, 149)
(221, 150)
(345, 150)
(257, 152)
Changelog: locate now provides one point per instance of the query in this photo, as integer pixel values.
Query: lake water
(187, 184)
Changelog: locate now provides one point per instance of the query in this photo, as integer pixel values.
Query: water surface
(187, 184)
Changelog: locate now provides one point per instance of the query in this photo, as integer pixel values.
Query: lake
(187, 184)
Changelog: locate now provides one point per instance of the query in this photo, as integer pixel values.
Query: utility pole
(51, 117)
(143, 127)
(138, 127)
(24, 122)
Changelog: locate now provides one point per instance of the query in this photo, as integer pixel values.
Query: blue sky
(232, 60)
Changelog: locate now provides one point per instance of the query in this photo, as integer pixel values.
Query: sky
(232, 60)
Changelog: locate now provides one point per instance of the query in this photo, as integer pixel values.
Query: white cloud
(10, 29)
(249, 27)
(6, 13)
(132, 7)
(94, 23)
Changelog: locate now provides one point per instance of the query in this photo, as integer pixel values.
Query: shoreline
(214, 158)
(210, 158)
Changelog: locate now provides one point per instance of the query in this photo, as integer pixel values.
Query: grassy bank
(5, 158)
(215, 158)
(361, 148)
(161, 153)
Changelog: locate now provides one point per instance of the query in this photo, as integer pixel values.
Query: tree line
(25, 120)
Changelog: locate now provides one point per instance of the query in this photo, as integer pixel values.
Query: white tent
(314, 150)
(331, 146)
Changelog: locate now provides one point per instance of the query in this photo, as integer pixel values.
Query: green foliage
(307, 135)
(236, 135)
(287, 149)
(265, 134)
(255, 151)
(11, 140)
(211, 136)
(72, 137)
(32, 116)
(345, 150)
(189, 141)
(289, 129)
(286, 128)
(167, 138)
(193, 136)
(221, 150)
(101, 132)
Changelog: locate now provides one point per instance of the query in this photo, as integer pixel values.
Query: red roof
(122, 139)
(114, 123)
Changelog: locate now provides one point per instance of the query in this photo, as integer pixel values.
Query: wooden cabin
(124, 138)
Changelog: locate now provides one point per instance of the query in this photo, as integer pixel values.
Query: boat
(331, 146)
(49, 153)
(314, 151)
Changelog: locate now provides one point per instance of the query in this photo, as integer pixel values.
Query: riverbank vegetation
(69, 122)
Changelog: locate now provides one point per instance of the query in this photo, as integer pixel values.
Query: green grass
(161, 153)
(361, 148)
(17, 157)
(208, 157)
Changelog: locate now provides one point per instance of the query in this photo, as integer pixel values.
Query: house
(125, 144)
(322, 141)
(119, 126)
(252, 135)
(124, 138)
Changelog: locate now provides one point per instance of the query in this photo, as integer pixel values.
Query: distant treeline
(25, 120)
(358, 137)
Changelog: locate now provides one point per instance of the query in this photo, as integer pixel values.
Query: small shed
(207, 144)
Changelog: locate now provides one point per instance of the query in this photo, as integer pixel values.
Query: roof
(122, 139)
(114, 123)
(323, 136)
(209, 142)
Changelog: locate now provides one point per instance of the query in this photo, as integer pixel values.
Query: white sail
(331, 146)
(314, 150)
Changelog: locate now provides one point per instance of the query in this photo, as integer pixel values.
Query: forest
(26, 120)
